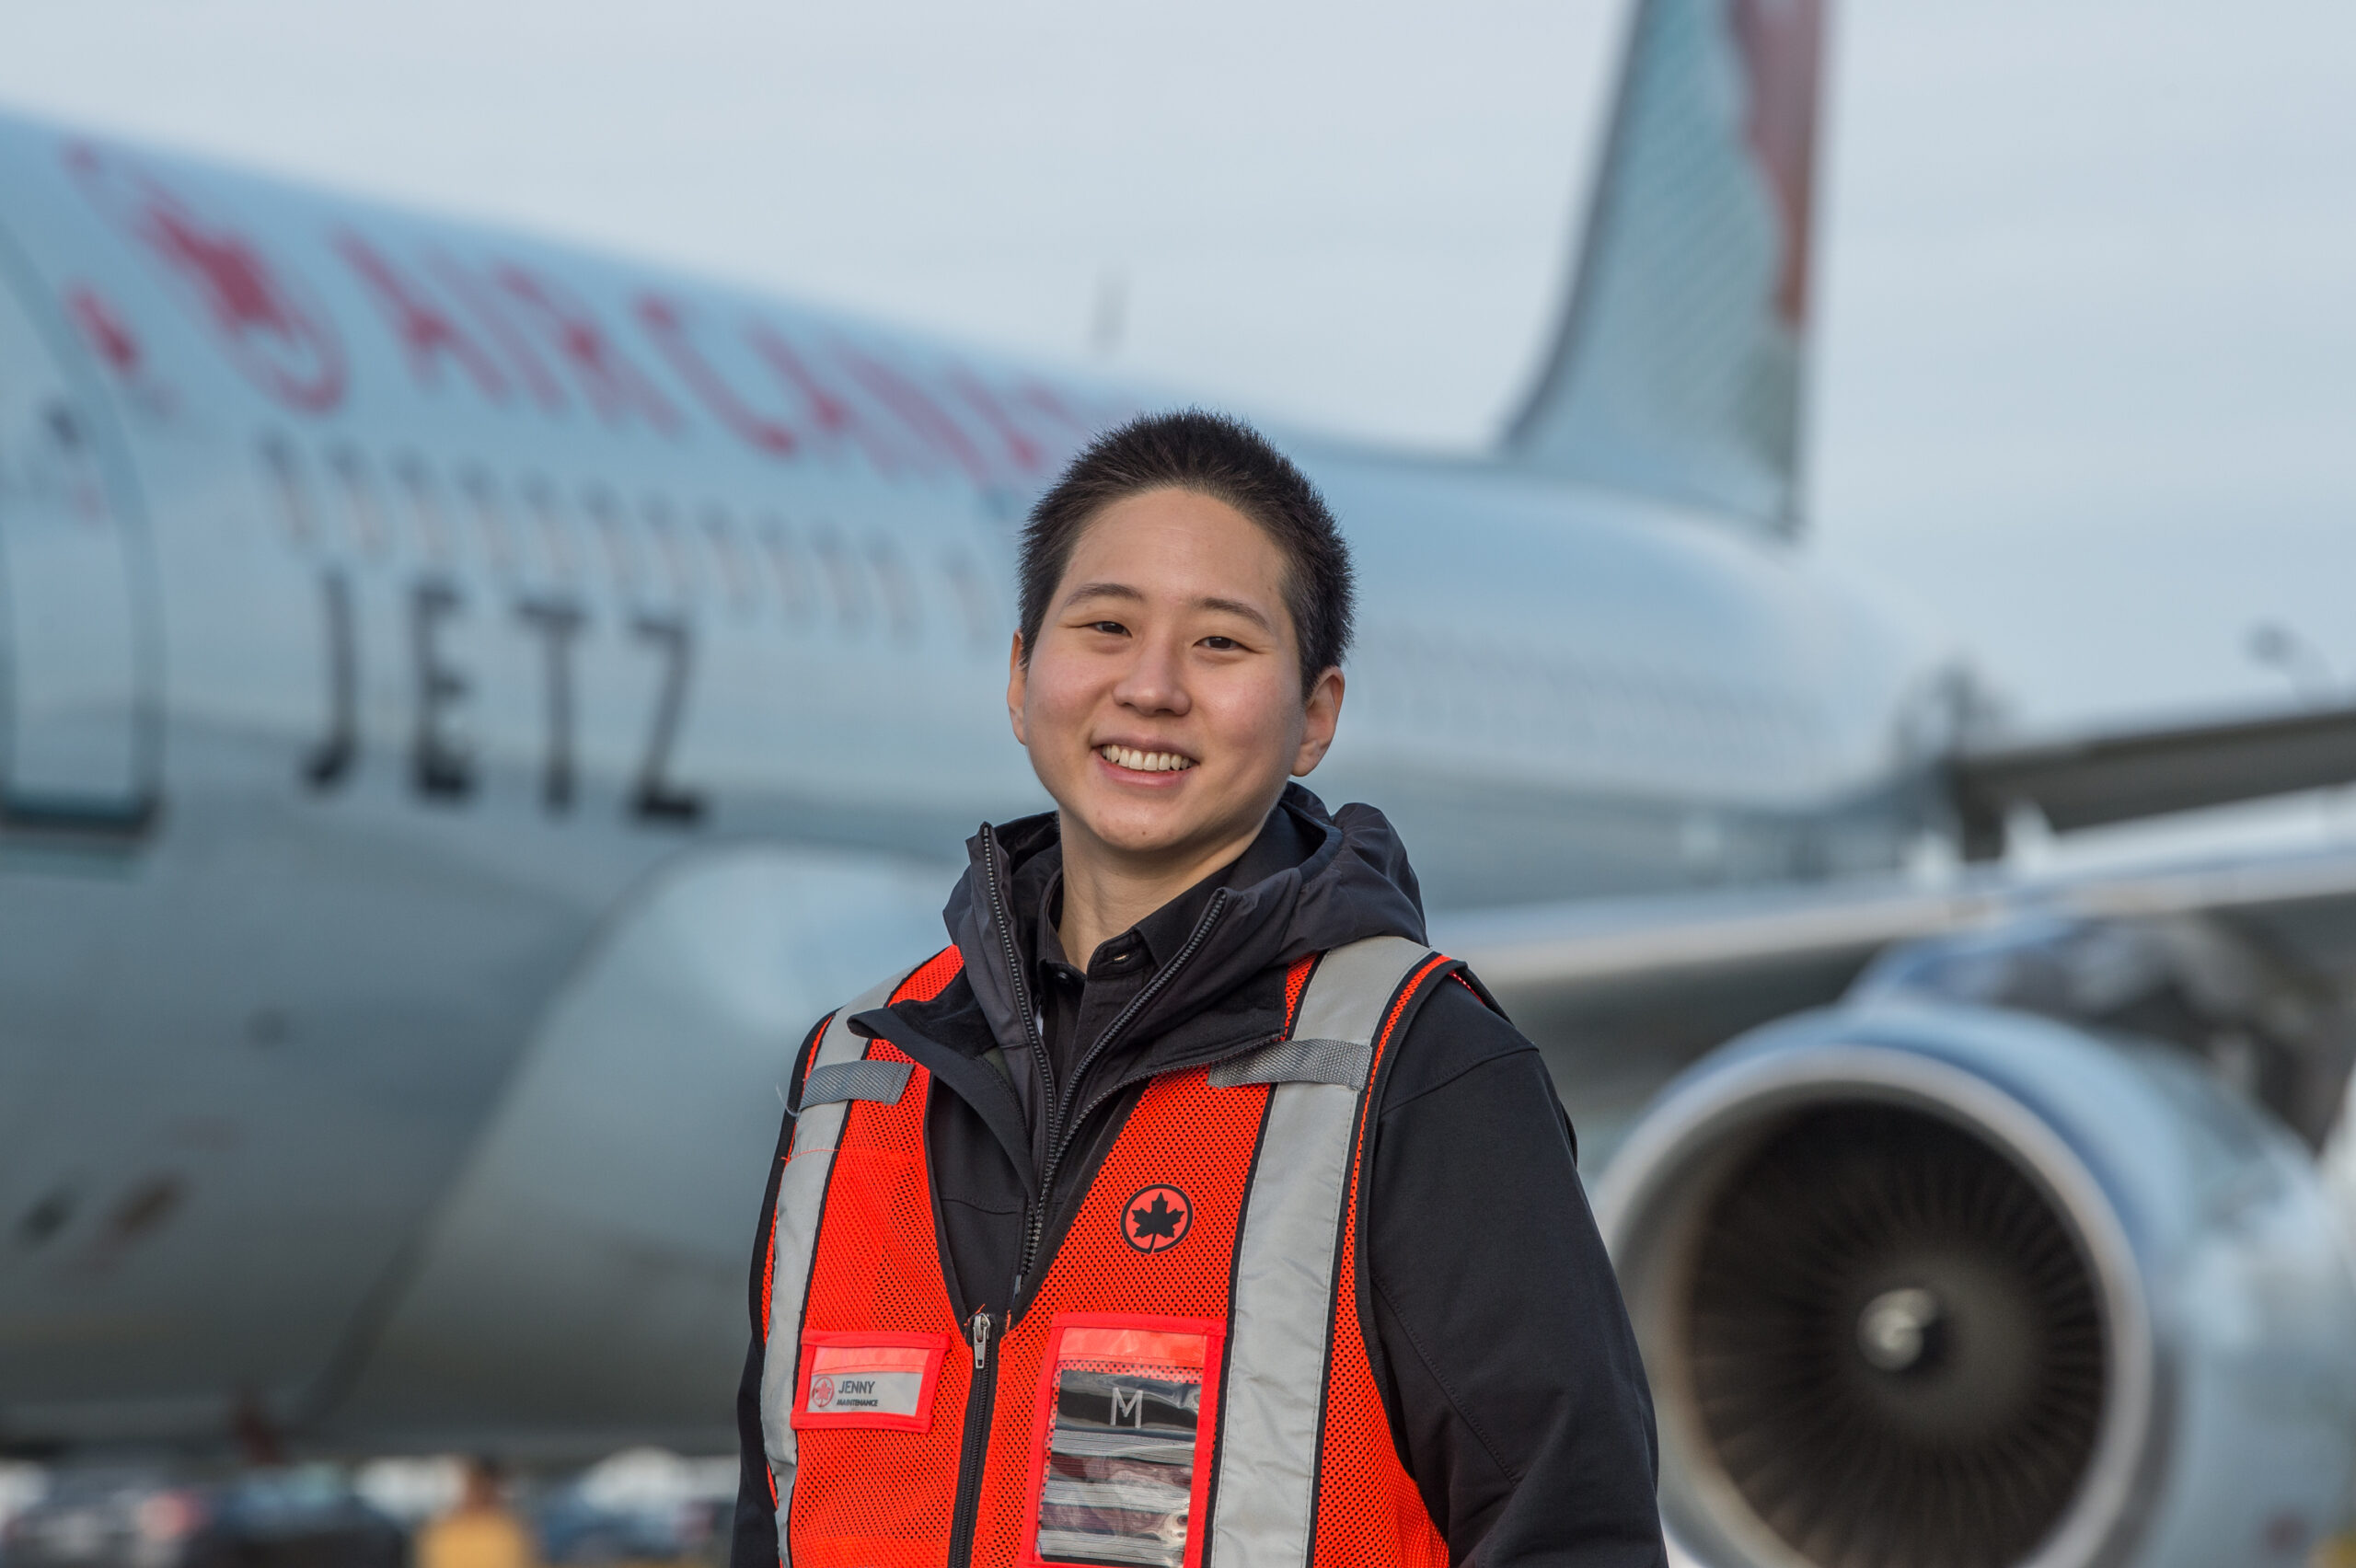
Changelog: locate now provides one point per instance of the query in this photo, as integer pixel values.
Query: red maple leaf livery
(275, 335)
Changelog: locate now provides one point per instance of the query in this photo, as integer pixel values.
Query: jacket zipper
(1005, 924)
(975, 1445)
(973, 1451)
(1057, 1130)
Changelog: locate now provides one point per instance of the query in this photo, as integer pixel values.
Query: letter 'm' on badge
(1126, 1407)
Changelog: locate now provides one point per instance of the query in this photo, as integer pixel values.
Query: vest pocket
(872, 1379)
(1122, 1409)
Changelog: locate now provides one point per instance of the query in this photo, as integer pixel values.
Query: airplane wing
(2093, 780)
(1725, 951)
(1623, 993)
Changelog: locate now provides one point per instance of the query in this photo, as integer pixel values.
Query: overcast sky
(2087, 371)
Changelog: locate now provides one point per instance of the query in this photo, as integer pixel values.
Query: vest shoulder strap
(836, 1074)
(1286, 1281)
(882, 1082)
(1349, 994)
(1332, 1035)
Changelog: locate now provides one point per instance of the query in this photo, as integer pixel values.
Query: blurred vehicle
(470, 705)
(572, 1529)
(303, 1518)
(641, 1506)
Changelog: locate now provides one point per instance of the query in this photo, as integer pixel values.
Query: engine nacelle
(1926, 1286)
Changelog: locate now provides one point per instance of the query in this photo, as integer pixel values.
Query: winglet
(1680, 366)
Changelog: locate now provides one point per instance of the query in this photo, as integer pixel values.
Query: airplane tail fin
(1680, 366)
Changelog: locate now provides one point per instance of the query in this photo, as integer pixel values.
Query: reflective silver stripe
(1284, 1277)
(800, 1198)
(1344, 1062)
(882, 1082)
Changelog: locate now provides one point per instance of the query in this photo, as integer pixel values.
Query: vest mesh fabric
(878, 1268)
(932, 977)
(1182, 1134)
(872, 1498)
(1368, 1510)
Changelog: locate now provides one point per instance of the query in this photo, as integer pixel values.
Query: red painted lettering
(523, 359)
(613, 387)
(1028, 455)
(1049, 401)
(427, 333)
(836, 418)
(931, 423)
(665, 325)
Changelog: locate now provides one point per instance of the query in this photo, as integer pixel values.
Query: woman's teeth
(1145, 761)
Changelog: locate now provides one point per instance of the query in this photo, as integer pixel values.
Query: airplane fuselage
(387, 604)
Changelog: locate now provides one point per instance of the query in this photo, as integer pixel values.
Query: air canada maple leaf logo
(262, 317)
(1157, 1218)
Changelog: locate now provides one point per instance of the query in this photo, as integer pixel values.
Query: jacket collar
(1312, 881)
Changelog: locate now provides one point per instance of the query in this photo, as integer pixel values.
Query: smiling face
(1162, 705)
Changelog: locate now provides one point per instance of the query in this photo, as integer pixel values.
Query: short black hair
(1216, 456)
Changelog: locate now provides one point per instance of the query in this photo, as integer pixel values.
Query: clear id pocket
(1124, 1409)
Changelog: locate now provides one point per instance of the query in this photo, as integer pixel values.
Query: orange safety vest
(1189, 1384)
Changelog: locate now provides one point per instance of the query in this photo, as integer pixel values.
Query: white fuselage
(388, 604)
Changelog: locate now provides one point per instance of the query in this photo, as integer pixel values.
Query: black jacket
(1502, 1351)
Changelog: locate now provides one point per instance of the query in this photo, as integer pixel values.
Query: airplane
(470, 705)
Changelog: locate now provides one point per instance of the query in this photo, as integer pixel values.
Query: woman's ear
(1321, 716)
(1017, 682)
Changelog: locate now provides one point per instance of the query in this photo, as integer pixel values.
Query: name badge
(873, 1379)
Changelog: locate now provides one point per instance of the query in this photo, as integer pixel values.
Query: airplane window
(842, 576)
(899, 588)
(671, 547)
(293, 499)
(64, 429)
(482, 503)
(425, 506)
(735, 570)
(794, 587)
(973, 597)
(621, 550)
(557, 542)
(359, 501)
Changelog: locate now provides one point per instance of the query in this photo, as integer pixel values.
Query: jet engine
(1922, 1284)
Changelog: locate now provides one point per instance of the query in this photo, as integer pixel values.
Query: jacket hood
(1354, 881)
